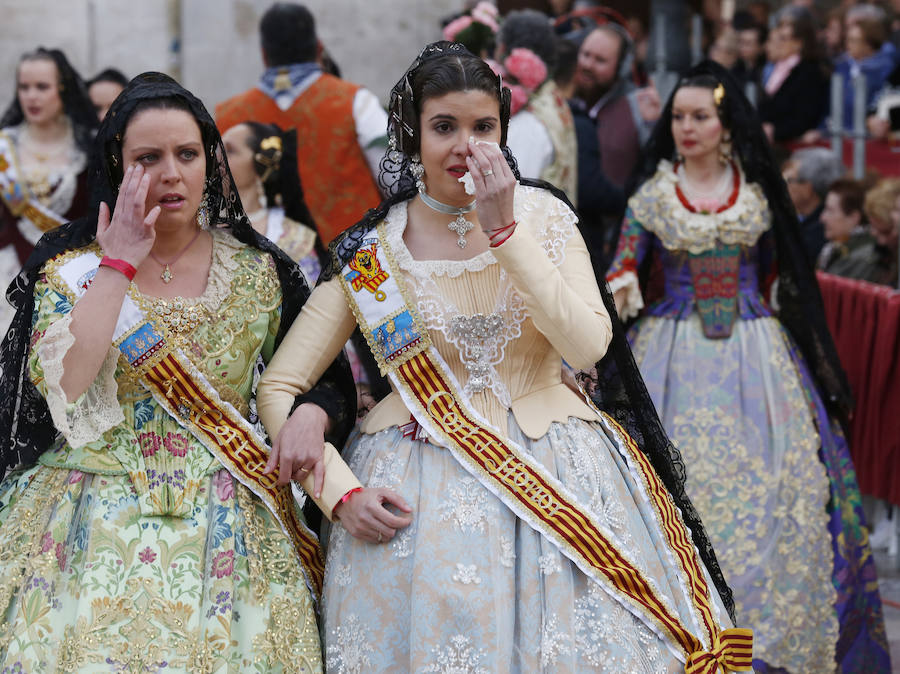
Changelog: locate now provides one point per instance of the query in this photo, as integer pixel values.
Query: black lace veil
(73, 92)
(800, 306)
(26, 429)
(622, 392)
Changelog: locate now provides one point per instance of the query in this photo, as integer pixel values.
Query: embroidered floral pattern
(465, 505)
(167, 562)
(349, 652)
(657, 207)
(467, 574)
(460, 657)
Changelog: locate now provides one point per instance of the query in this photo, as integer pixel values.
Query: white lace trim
(395, 225)
(95, 411)
(657, 207)
(221, 271)
(553, 226)
(634, 301)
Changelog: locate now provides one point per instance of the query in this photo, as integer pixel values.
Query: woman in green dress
(139, 529)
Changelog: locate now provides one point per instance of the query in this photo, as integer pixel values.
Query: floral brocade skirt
(469, 587)
(88, 584)
(772, 478)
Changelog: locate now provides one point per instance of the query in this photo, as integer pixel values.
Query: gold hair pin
(272, 143)
(719, 94)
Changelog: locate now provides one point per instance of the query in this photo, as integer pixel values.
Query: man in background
(340, 126)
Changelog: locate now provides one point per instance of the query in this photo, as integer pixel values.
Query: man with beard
(623, 114)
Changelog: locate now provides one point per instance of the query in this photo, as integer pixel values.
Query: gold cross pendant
(166, 275)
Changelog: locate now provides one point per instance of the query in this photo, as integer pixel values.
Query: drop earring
(418, 172)
(203, 212)
(725, 149)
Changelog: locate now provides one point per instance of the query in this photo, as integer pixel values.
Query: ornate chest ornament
(476, 335)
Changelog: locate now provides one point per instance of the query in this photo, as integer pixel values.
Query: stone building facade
(212, 46)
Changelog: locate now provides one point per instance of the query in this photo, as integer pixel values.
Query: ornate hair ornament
(719, 94)
(271, 143)
(269, 164)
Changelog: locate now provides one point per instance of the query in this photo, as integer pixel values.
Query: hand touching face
(445, 126)
(168, 145)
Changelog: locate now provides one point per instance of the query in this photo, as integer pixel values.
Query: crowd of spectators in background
(598, 57)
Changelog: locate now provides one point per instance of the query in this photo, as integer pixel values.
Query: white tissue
(467, 182)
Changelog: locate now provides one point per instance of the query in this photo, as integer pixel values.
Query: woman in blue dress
(748, 393)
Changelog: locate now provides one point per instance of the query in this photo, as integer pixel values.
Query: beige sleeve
(312, 343)
(564, 302)
(339, 479)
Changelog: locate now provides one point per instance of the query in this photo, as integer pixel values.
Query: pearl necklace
(697, 194)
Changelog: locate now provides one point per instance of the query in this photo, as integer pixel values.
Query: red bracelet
(345, 498)
(494, 244)
(500, 230)
(119, 265)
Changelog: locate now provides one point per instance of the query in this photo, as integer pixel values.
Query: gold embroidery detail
(291, 639)
(20, 537)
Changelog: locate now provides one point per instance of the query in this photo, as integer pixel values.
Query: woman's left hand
(495, 185)
(299, 447)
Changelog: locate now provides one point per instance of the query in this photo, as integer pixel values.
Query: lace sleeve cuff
(97, 409)
(633, 300)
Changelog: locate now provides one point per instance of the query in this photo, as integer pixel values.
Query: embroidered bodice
(54, 189)
(659, 210)
(658, 222)
(501, 320)
(295, 239)
(116, 426)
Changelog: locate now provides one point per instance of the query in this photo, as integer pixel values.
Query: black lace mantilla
(621, 392)
(799, 300)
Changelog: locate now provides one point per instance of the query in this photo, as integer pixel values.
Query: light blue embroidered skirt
(468, 587)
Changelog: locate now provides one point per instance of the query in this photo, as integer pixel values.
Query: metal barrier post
(836, 119)
(696, 39)
(859, 126)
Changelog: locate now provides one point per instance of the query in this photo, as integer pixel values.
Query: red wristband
(119, 265)
(500, 230)
(494, 244)
(345, 498)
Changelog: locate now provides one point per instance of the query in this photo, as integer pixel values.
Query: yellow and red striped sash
(14, 195)
(181, 389)
(404, 351)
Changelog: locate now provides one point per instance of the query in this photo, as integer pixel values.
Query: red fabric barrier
(881, 155)
(864, 319)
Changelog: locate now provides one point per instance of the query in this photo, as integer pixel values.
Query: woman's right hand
(365, 516)
(130, 234)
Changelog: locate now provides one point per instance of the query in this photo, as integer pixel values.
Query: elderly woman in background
(140, 530)
(45, 136)
(850, 248)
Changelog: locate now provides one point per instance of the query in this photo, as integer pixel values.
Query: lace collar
(221, 273)
(553, 224)
(657, 207)
(395, 225)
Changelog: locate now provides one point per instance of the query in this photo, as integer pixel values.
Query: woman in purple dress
(749, 390)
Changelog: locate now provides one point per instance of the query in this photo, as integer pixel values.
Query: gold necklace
(167, 274)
